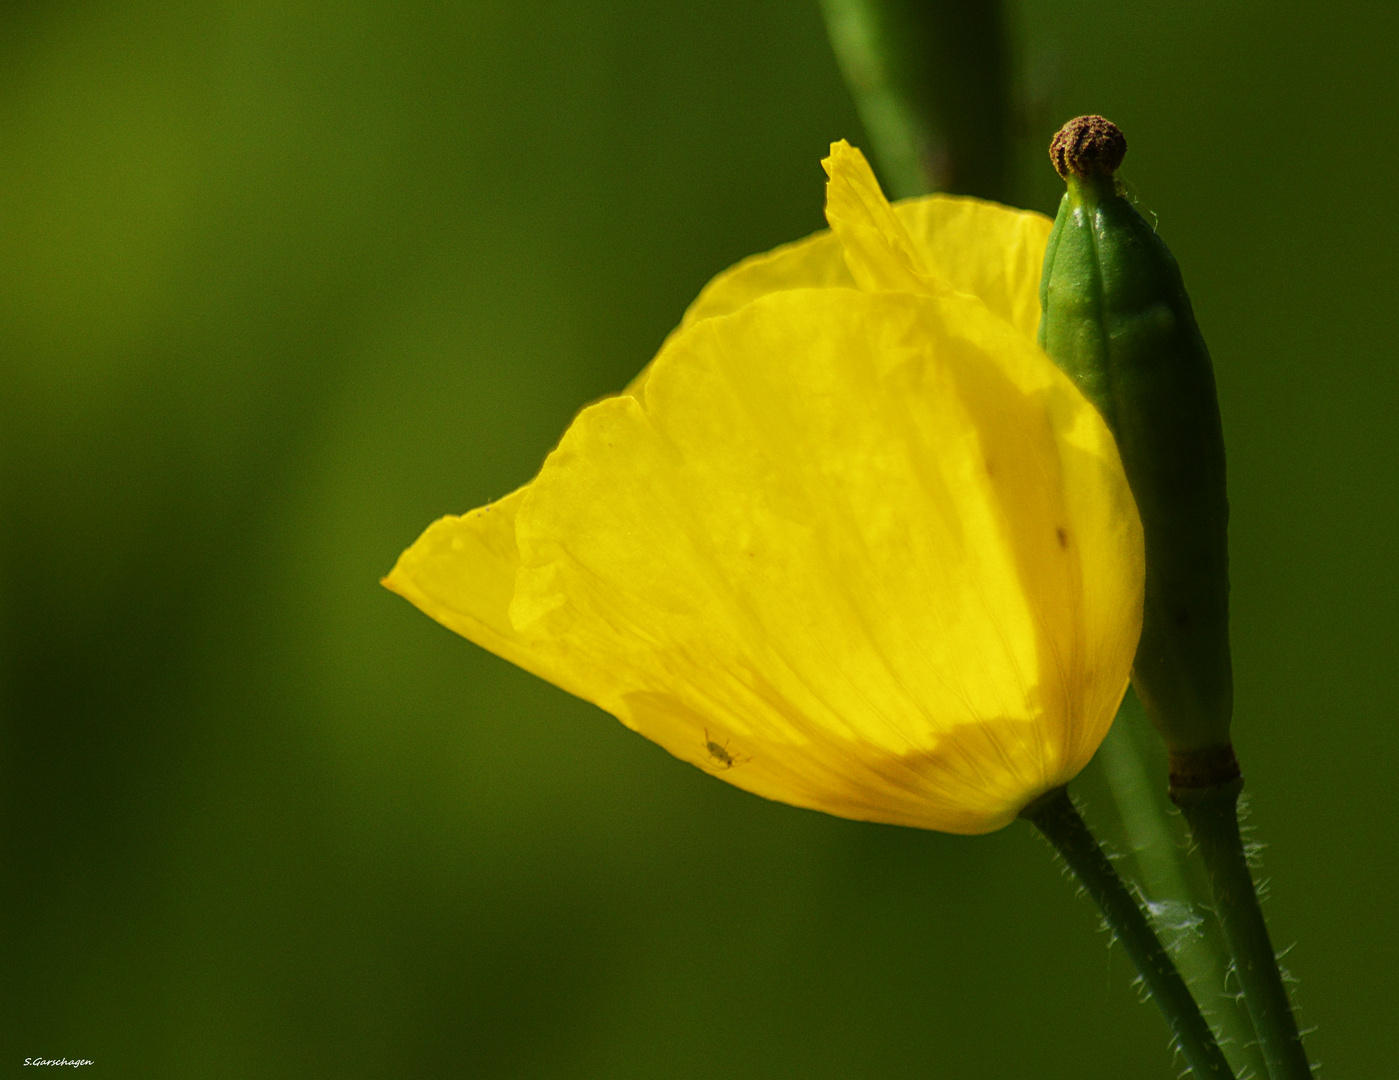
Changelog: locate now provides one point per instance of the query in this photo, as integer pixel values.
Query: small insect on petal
(720, 753)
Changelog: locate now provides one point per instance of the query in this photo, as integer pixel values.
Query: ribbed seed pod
(1116, 319)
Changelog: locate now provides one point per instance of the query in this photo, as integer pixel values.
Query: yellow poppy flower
(851, 541)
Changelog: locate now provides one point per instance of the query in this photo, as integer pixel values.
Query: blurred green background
(282, 282)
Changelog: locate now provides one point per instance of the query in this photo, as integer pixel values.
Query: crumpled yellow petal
(878, 249)
(986, 250)
(868, 553)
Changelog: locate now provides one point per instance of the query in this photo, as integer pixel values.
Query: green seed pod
(1115, 317)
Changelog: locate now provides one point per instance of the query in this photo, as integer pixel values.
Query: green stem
(1056, 817)
(1212, 813)
(1200, 954)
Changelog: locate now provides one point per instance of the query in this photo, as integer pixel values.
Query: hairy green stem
(1056, 817)
(1198, 950)
(1212, 813)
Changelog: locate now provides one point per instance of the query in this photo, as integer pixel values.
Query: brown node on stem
(1088, 144)
(1206, 768)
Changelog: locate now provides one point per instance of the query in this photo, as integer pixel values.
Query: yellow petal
(990, 251)
(880, 253)
(869, 554)
(462, 573)
(816, 262)
(867, 234)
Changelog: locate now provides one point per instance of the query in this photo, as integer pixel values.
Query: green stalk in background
(931, 80)
(1116, 318)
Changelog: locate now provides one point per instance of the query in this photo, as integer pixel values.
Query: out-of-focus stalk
(931, 80)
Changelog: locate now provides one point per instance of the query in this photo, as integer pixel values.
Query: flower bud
(1116, 318)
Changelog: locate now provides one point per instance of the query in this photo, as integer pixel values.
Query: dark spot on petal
(1063, 535)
